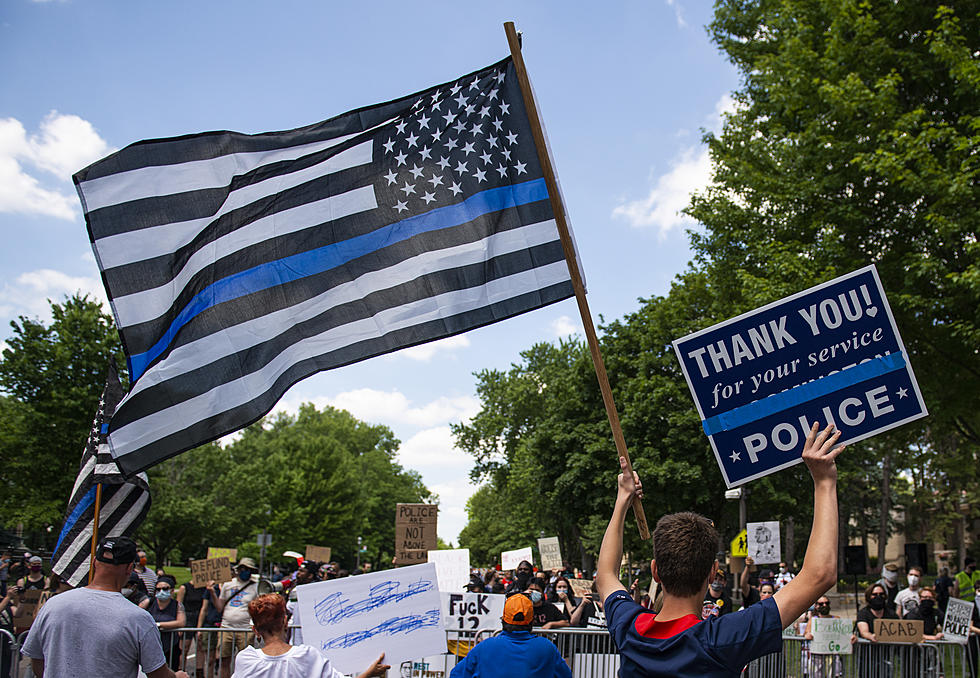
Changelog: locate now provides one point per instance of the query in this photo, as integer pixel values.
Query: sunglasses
(163, 588)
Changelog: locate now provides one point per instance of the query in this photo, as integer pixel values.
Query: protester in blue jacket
(515, 653)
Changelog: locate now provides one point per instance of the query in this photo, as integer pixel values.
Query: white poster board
(509, 560)
(956, 625)
(550, 551)
(831, 636)
(472, 611)
(354, 619)
(764, 547)
(452, 568)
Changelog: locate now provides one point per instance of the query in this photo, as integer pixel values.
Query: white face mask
(913, 579)
(889, 576)
(782, 570)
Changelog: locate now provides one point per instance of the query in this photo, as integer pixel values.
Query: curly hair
(268, 613)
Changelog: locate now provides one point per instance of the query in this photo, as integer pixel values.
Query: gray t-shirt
(85, 632)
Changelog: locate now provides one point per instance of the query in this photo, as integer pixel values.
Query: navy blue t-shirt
(718, 646)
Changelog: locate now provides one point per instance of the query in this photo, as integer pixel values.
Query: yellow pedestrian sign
(740, 545)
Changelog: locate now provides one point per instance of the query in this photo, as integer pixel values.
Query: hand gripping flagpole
(569, 248)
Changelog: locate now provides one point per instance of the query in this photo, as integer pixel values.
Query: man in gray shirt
(95, 631)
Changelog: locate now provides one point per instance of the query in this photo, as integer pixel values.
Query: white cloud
(565, 325)
(690, 171)
(433, 448)
(677, 13)
(452, 507)
(63, 145)
(425, 352)
(28, 294)
(391, 408)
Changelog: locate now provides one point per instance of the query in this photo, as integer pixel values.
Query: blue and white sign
(831, 354)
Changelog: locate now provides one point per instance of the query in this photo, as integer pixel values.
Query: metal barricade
(192, 649)
(9, 654)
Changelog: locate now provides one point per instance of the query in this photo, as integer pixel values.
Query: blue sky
(625, 89)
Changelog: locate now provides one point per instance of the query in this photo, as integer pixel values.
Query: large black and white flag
(124, 502)
(238, 264)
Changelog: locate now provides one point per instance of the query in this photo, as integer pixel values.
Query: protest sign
(830, 354)
(354, 619)
(580, 587)
(740, 545)
(550, 551)
(898, 630)
(509, 560)
(472, 611)
(763, 542)
(203, 571)
(415, 532)
(956, 625)
(27, 609)
(831, 636)
(318, 554)
(230, 554)
(452, 568)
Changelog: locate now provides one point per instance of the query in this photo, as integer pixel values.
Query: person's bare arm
(559, 624)
(864, 629)
(216, 599)
(611, 550)
(744, 579)
(576, 617)
(819, 571)
(376, 669)
(179, 622)
(165, 672)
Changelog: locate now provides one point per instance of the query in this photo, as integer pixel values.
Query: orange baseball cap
(518, 610)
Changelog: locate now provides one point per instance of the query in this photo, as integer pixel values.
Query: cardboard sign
(898, 630)
(230, 554)
(30, 604)
(829, 354)
(509, 560)
(452, 568)
(472, 611)
(550, 551)
(318, 554)
(831, 636)
(956, 625)
(354, 619)
(415, 532)
(763, 542)
(203, 571)
(740, 545)
(580, 587)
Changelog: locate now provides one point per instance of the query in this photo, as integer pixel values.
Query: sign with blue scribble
(354, 619)
(830, 354)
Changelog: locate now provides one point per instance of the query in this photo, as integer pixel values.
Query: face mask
(561, 591)
(244, 575)
(127, 592)
(823, 609)
(913, 580)
(877, 602)
(523, 576)
(716, 586)
(889, 576)
(927, 605)
(782, 570)
(163, 595)
(535, 596)
(35, 568)
(143, 561)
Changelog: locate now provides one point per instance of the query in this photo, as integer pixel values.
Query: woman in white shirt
(277, 658)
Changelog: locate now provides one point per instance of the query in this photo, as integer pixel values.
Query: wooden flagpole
(569, 248)
(95, 531)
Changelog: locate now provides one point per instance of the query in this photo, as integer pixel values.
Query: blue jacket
(513, 655)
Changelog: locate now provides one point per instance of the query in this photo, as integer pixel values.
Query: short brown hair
(268, 613)
(684, 545)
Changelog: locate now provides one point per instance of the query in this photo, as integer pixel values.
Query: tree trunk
(886, 508)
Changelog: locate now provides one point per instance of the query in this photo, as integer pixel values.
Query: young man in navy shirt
(676, 642)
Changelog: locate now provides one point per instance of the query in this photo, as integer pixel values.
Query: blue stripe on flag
(777, 402)
(104, 429)
(330, 256)
(77, 513)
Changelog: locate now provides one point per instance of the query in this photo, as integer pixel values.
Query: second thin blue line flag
(238, 264)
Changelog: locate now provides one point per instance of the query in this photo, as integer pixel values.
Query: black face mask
(878, 602)
(823, 609)
(523, 578)
(927, 605)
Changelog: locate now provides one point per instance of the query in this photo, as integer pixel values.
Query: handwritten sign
(509, 560)
(354, 619)
(415, 532)
(831, 636)
(898, 630)
(452, 568)
(230, 554)
(472, 611)
(580, 587)
(318, 554)
(30, 604)
(550, 551)
(830, 354)
(956, 625)
(203, 571)
(764, 546)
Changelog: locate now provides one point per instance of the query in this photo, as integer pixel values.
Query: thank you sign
(830, 354)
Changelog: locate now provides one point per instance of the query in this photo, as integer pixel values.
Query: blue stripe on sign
(84, 505)
(777, 402)
(330, 256)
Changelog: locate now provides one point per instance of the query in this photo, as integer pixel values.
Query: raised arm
(611, 550)
(744, 579)
(819, 571)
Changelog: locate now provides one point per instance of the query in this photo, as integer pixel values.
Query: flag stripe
(329, 256)
(133, 451)
(203, 366)
(84, 504)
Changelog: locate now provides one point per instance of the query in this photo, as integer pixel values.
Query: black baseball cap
(116, 551)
